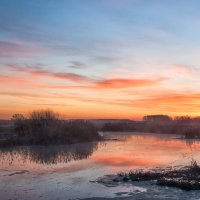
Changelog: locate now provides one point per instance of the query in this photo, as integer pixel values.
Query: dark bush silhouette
(45, 127)
(81, 129)
(19, 124)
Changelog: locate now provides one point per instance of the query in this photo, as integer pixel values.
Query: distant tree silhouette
(183, 119)
(156, 118)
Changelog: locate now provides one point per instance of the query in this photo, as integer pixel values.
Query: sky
(100, 58)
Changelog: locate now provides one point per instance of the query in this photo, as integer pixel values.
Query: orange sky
(99, 59)
(24, 91)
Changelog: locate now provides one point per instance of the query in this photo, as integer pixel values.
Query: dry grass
(186, 178)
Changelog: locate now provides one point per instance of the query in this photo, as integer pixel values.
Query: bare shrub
(45, 127)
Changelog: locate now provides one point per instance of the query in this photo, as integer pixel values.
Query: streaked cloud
(77, 65)
(7, 79)
(91, 83)
(18, 49)
(38, 71)
(124, 83)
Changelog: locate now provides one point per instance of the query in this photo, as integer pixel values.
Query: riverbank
(185, 178)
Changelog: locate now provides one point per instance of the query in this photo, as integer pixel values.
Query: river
(67, 172)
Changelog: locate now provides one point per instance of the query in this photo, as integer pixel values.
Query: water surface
(71, 171)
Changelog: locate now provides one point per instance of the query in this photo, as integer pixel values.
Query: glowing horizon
(100, 59)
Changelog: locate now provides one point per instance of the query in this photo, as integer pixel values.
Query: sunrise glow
(100, 59)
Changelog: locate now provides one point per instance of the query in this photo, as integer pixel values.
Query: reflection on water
(69, 171)
(125, 151)
(142, 151)
(48, 155)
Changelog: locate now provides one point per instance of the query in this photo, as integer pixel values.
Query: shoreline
(186, 178)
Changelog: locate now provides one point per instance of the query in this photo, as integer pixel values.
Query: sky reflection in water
(129, 152)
